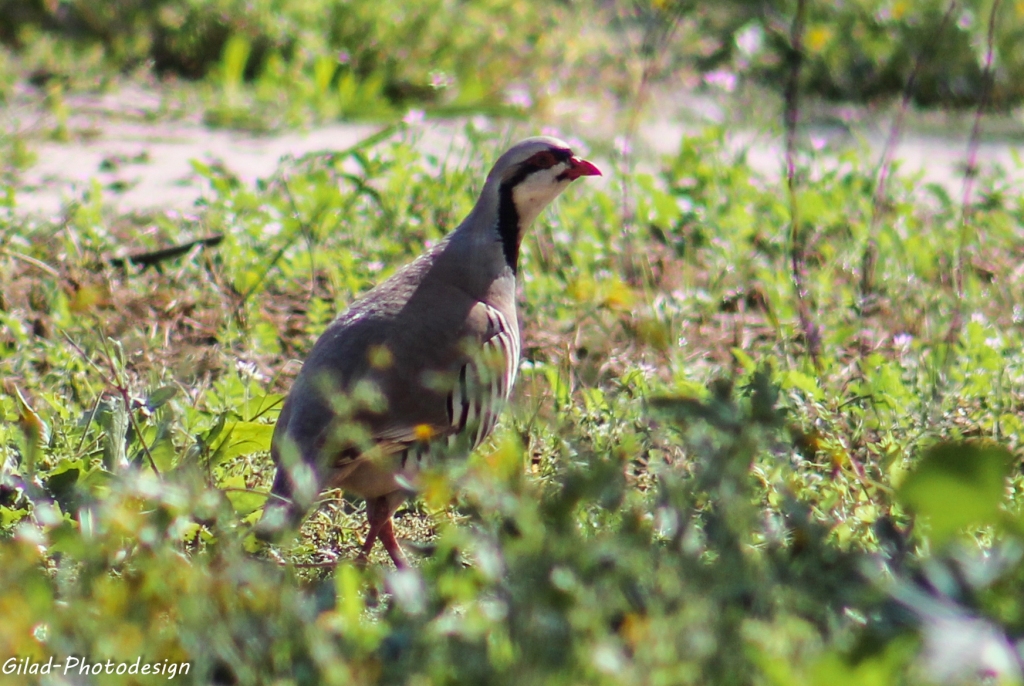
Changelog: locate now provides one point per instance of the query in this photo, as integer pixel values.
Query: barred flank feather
(485, 383)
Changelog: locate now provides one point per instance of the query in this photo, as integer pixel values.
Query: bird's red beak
(578, 168)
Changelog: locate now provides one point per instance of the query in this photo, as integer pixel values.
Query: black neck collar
(508, 225)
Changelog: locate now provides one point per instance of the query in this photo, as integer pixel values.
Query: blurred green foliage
(678, 495)
(395, 52)
(361, 58)
(864, 50)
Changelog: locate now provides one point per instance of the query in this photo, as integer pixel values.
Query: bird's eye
(544, 160)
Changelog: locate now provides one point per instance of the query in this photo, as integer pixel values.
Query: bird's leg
(387, 539)
(392, 501)
(378, 515)
(375, 507)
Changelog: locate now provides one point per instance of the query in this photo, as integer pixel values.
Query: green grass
(679, 493)
(691, 485)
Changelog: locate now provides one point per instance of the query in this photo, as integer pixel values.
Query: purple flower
(725, 80)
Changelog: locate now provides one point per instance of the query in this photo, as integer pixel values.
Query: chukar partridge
(426, 358)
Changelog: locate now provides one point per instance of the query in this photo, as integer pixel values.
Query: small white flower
(647, 371)
(249, 370)
(902, 341)
(41, 632)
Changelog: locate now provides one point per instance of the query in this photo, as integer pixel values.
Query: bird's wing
(442, 361)
(471, 383)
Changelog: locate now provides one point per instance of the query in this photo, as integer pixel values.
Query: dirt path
(143, 160)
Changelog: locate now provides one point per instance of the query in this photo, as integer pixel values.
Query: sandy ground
(143, 159)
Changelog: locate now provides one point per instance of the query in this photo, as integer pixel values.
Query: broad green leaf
(261, 406)
(958, 485)
(163, 453)
(242, 438)
(799, 380)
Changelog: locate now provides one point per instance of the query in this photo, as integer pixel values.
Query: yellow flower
(818, 37)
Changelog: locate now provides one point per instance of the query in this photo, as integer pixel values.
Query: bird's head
(524, 180)
(534, 171)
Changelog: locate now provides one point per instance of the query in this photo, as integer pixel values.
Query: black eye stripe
(527, 166)
(555, 155)
(561, 154)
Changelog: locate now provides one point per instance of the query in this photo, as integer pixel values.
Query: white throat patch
(536, 191)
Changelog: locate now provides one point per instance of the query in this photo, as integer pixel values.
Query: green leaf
(10, 516)
(113, 417)
(242, 500)
(745, 360)
(958, 485)
(216, 429)
(242, 438)
(160, 397)
(233, 61)
(264, 405)
(163, 452)
(807, 384)
(61, 484)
